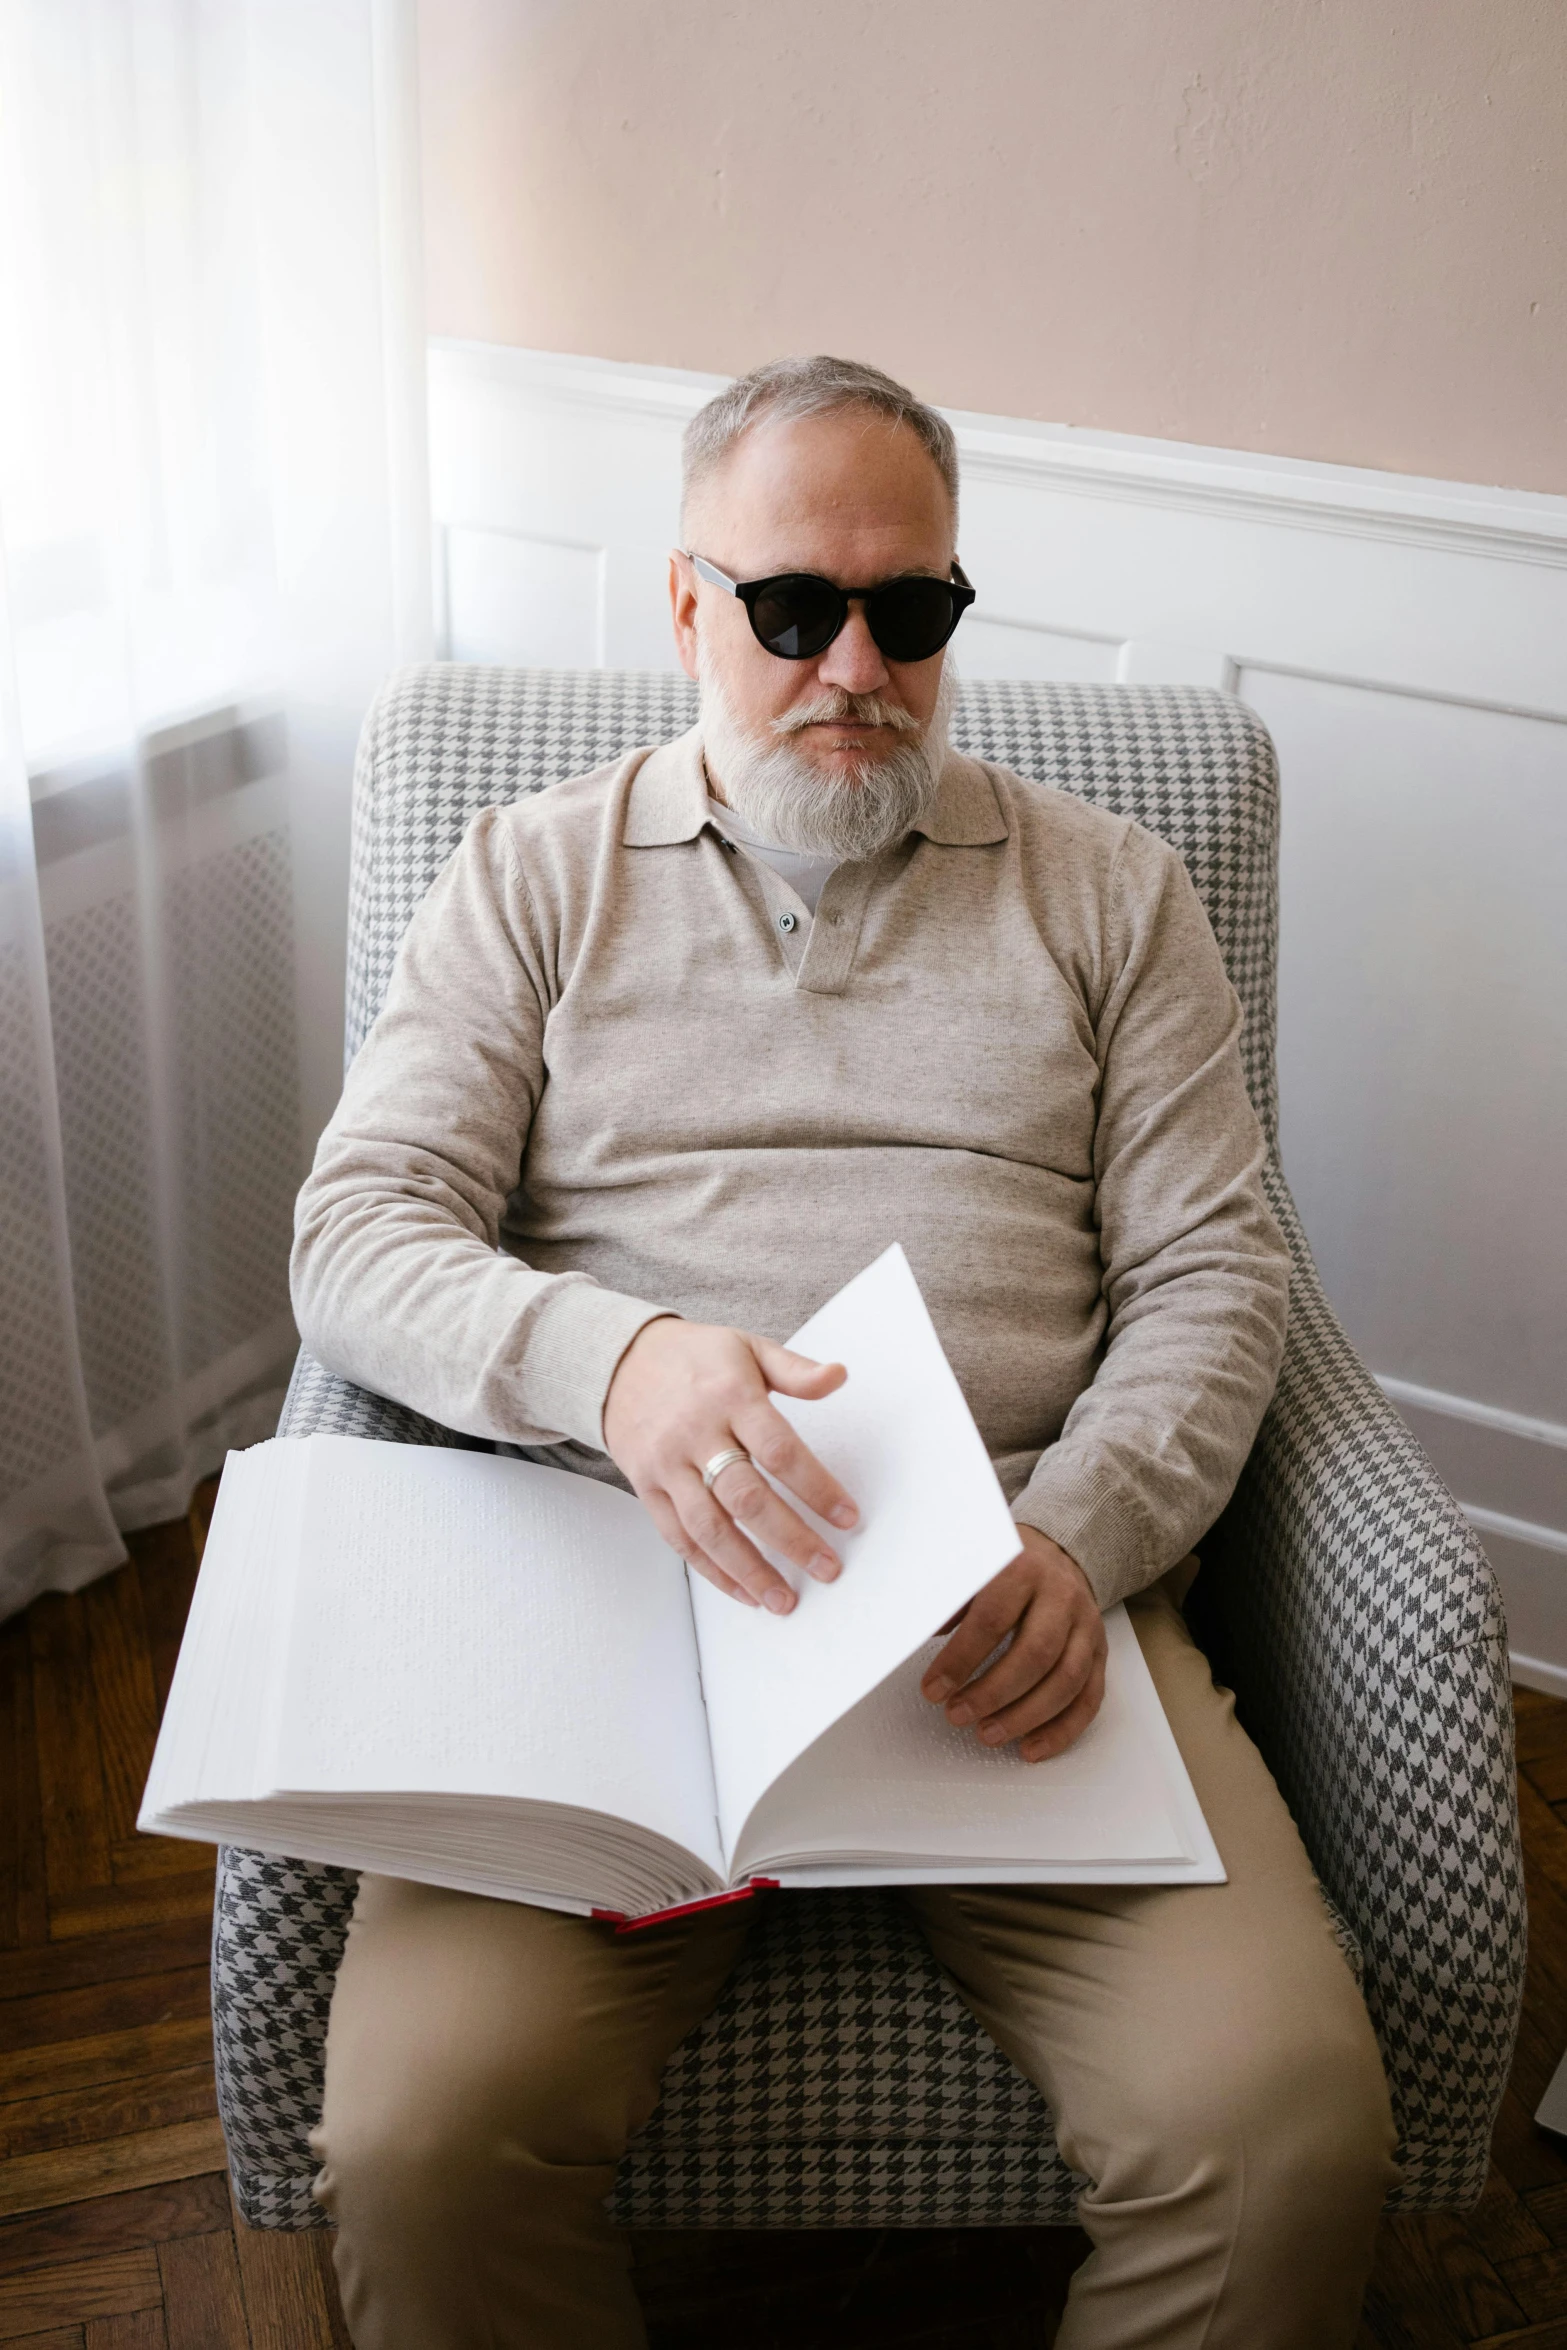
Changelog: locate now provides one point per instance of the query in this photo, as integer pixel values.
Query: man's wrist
(1083, 1507)
(660, 1314)
(1044, 1547)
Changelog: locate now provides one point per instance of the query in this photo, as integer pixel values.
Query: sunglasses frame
(749, 590)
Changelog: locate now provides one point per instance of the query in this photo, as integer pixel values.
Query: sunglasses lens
(912, 618)
(797, 616)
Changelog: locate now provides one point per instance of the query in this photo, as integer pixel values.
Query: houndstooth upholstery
(1357, 1617)
(840, 2081)
(449, 740)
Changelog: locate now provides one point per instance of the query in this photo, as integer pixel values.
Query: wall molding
(1548, 714)
(1486, 1521)
(1484, 1447)
(1464, 1407)
(652, 395)
(1519, 526)
(1509, 1451)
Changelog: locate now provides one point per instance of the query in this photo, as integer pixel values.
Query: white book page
(933, 1528)
(894, 1781)
(214, 1742)
(467, 1625)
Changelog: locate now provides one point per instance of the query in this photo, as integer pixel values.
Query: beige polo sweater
(621, 1069)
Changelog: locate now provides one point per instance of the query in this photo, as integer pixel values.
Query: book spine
(685, 1909)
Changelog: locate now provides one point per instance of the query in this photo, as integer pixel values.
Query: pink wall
(1322, 228)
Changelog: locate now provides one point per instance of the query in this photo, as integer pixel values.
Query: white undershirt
(806, 876)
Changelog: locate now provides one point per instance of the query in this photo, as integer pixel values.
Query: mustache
(835, 706)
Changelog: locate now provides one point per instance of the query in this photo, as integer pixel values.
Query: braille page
(934, 1527)
(469, 1625)
(215, 1730)
(893, 1783)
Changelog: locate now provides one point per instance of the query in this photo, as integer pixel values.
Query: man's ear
(682, 609)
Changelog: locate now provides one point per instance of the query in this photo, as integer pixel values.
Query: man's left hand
(1050, 1683)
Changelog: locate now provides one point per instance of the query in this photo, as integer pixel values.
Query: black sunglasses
(796, 615)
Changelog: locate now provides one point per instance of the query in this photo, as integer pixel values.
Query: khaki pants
(1204, 2049)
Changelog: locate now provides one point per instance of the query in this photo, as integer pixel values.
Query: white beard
(788, 803)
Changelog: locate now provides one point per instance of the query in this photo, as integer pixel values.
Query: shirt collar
(668, 800)
(668, 797)
(967, 814)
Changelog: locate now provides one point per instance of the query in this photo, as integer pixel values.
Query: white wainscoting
(1405, 641)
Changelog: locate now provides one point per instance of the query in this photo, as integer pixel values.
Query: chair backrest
(1194, 766)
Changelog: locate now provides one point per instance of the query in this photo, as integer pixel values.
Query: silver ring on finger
(724, 1460)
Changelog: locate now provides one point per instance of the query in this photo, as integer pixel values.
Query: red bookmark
(684, 1909)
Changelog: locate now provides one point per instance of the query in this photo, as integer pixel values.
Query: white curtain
(213, 546)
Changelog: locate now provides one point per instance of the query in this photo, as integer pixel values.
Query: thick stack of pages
(487, 1674)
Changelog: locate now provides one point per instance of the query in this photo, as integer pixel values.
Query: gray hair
(787, 389)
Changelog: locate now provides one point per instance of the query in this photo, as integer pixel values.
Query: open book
(487, 1674)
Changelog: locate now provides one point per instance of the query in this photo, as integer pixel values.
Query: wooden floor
(116, 2230)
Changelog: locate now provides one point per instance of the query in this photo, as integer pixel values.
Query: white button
(786, 922)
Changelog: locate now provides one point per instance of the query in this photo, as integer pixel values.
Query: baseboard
(1533, 1580)
(1532, 1672)
(1509, 1472)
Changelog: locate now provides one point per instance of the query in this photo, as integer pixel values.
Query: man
(670, 1052)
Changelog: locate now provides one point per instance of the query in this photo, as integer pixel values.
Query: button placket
(785, 914)
(835, 934)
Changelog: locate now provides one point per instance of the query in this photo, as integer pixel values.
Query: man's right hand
(684, 1392)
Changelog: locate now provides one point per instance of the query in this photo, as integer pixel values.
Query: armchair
(840, 2081)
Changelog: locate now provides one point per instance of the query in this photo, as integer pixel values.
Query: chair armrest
(1361, 1625)
(321, 1403)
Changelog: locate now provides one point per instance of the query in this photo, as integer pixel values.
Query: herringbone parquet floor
(116, 2231)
